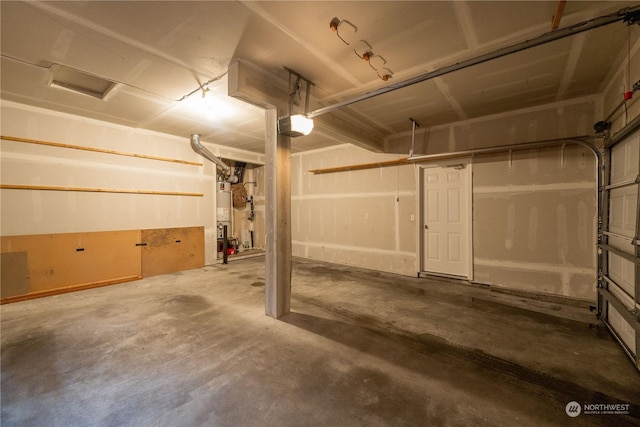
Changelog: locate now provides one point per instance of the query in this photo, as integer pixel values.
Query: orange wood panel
(55, 261)
(168, 250)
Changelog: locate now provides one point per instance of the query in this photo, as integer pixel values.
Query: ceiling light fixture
(209, 104)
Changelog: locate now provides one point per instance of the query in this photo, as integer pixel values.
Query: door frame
(467, 161)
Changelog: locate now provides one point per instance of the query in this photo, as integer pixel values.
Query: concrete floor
(360, 348)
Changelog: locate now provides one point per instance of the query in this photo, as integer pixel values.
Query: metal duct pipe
(200, 149)
(626, 14)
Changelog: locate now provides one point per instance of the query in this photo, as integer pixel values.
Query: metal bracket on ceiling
(414, 124)
(335, 23)
(368, 53)
(631, 15)
(296, 90)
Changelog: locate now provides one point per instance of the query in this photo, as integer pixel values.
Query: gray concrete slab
(360, 348)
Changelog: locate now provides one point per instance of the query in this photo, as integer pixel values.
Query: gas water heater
(223, 204)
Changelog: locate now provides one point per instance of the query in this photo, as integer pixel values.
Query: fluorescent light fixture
(297, 125)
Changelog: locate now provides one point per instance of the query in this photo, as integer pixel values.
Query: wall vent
(80, 82)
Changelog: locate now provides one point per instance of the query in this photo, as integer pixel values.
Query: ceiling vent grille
(80, 82)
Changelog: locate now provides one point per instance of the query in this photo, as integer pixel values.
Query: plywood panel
(168, 250)
(56, 261)
(14, 274)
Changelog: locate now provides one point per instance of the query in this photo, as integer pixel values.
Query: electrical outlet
(413, 217)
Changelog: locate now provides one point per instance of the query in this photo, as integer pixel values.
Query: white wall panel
(32, 211)
(364, 218)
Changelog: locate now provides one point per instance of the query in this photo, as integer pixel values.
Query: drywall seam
(108, 32)
(443, 88)
(354, 195)
(243, 155)
(577, 45)
(504, 115)
(300, 178)
(334, 66)
(529, 266)
(515, 37)
(61, 161)
(320, 150)
(463, 13)
(396, 223)
(621, 71)
(533, 188)
(354, 248)
(543, 39)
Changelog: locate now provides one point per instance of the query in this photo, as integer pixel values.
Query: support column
(277, 218)
(260, 88)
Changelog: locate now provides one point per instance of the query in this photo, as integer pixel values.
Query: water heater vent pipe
(200, 149)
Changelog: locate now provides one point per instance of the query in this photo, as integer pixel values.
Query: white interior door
(446, 218)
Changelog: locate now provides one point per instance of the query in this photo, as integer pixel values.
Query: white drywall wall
(361, 218)
(45, 212)
(534, 212)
